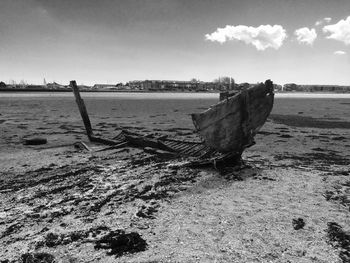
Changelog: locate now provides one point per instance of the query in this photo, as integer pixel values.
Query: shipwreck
(226, 128)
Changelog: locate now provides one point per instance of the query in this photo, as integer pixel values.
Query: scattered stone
(339, 194)
(121, 243)
(52, 239)
(298, 223)
(37, 258)
(268, 178)
(35, 141)
(147, 211)
(143, 189)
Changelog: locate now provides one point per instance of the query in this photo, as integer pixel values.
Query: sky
(111, 41)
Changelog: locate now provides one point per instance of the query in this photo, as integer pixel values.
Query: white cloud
(339, 52)
(339, 31)
(322, 21)
(261, 37)
(306, 35)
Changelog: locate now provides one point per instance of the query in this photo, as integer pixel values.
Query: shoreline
(150, 91)
(164, 95)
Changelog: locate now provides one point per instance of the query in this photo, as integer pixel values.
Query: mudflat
(289, 202)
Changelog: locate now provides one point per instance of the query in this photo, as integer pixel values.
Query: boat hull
(230, 125)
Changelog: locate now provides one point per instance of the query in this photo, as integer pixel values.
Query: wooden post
(82, 109)
(86, 120)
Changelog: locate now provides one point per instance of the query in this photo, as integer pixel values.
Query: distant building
(103, 87)
(84, 87)
(291, 87)
(55, 86)
(277, 87)
(325, 88)
(174, 85)
(158, 85)
(316, 88)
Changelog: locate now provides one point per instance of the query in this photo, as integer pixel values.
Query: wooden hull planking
(230, 125)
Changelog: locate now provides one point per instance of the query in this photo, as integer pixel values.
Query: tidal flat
(64, 204)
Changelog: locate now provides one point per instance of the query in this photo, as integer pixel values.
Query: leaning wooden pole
(86, 119)
(82, 109)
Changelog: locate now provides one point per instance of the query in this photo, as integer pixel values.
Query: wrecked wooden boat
(230, 125)
(227, 128)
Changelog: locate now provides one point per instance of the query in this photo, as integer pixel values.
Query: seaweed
(339, 239)
(37, 258)
(121, 243)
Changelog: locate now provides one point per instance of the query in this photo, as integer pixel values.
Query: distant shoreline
(105, 91)
(157, 91)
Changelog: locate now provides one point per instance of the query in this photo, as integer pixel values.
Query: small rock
(147, 211)
(298, 223)
(52, 239)
(35, 141)
(144, 189)
(37, 257)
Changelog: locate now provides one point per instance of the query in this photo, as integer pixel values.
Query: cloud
(306, 35)
(261, 37)
(323, 20)
(339, 52)
(339, 31)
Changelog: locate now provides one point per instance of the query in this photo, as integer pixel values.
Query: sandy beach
(289, 202)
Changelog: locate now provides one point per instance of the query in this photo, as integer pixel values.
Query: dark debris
(121, 243)
(339, 239)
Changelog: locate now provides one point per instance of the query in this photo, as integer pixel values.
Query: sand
(58, 202)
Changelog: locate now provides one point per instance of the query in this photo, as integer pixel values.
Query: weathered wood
(94, 138)
(227, 94)
(85, 116)
(231, 125)
(82, 108)
(82, 145)
(160, 153)
(140, 141)
(113, 147)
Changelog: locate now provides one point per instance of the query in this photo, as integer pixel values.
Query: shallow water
(24, 114)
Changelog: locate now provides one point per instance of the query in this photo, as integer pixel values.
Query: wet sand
(69, 204)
